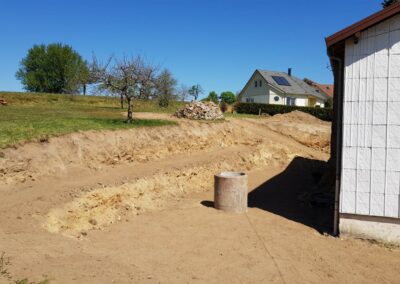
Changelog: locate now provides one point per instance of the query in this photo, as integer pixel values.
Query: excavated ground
(134, 206)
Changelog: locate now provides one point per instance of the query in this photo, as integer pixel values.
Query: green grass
(34, 117)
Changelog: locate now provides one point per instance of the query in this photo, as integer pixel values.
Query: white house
(366, 134)
(280, 88)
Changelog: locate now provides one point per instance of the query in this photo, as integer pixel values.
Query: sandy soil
(136, 206)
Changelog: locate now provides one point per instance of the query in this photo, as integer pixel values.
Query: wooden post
(230, 192)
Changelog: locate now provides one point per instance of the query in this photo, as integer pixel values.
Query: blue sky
(216, 43)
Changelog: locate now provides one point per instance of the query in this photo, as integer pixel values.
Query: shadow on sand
(296, 194)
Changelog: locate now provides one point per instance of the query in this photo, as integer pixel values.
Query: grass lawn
(32, 117)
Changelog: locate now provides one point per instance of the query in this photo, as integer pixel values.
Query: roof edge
(362, 24)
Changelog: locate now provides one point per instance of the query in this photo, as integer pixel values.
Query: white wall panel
(371, 118)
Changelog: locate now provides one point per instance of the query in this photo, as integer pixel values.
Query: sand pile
(200, 111)
(296, 116)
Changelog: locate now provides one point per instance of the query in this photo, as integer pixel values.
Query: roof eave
(363, 24)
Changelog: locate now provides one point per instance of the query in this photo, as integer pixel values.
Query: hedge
(255, 108)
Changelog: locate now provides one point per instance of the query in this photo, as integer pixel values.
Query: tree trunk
(122, 101)
(84, 89)
(130, 110)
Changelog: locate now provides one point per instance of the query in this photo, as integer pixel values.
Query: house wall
(370, 178)
(258, 94)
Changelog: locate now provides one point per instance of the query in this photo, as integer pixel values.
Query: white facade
(370, 182)
(257, 90)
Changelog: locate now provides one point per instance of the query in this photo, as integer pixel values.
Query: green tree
(195, 91)
(165, 87)
(387, 3)
(228, 97)
(212, 97)
(55, 68)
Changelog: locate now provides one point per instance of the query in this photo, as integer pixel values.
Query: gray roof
(297, 86)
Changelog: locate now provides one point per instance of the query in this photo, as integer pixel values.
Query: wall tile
(382, 27)
(392, 183)
(368, 136)
(348, 180)
(379, 113)
(391, 205)
(355, 90)
(380, 89)
(379, 136)
(394, 65)
(362, 94)
(393, 136)
(381, 66)
(348, 89)
(378, 182)
(393, 159)
(354, 112)
(382, 44)
(364, 158)
(362, 203)
(361, 135)
(368, 113)
(363, 181)
(347, 112)
(348, 202)
(394, 113)
(346, 135)
(370, 66)
(371, 32)
(378, 159)
(394, 90)
(377, 204)
(349, 157)
(363, 66)
(353, 135)
(394, 42)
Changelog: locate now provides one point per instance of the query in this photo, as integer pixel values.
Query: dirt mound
(200, 111)
(296, 116)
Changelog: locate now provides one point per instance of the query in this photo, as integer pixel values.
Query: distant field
(32, 117)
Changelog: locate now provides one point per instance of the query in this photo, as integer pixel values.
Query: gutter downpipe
(338, 143)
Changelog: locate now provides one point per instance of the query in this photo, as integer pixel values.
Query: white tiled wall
(371, 130)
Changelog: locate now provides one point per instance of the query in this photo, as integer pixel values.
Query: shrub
(223, 106)
(255, 108)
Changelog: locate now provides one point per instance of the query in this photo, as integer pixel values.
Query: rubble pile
(200, 111)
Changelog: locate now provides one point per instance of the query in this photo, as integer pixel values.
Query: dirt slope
(132, 206)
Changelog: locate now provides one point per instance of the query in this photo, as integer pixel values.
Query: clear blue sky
(216, 43)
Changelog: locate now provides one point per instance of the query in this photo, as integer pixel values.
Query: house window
(255, 84)
(249, 100)
(276, 98)
(260, 83)
(290, 101)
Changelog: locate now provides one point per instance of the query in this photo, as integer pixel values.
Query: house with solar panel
(280, 88)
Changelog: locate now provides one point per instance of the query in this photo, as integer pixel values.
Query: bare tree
(183, 92)
(126, 77)
(195, 91)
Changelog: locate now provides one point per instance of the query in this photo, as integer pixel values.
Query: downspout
(339, 123)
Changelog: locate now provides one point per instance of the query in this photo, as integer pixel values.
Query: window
(276, 98)
(255, 84)
(260, 83)
(290, 101)
(281, 80)
(249, 100)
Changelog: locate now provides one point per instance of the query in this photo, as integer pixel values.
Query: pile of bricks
(200, 111)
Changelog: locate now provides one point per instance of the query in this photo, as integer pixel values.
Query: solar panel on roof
(281, 80)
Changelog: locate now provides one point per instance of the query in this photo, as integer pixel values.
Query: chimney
(289, 71)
